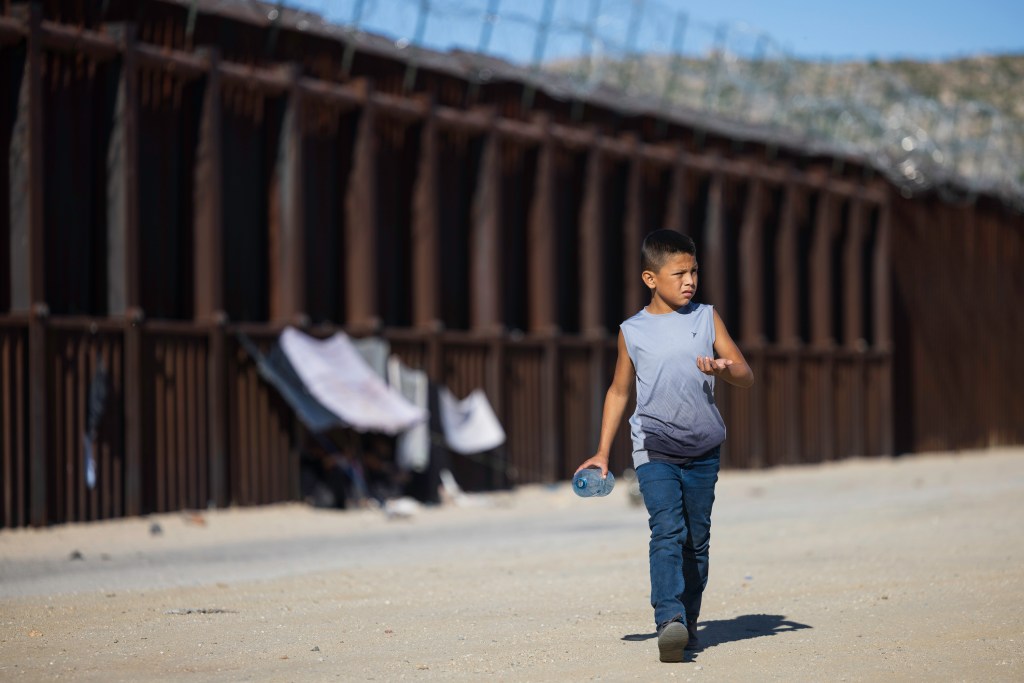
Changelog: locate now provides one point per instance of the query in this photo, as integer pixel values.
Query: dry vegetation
(963, 116)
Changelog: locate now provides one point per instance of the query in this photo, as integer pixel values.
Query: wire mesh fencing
(665, 59)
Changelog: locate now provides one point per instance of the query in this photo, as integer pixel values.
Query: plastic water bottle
(589, 483)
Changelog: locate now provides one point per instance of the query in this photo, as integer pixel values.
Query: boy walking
(674, 350)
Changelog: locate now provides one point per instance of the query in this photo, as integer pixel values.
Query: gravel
(863, 570)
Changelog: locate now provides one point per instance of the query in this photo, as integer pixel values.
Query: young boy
(673, 349)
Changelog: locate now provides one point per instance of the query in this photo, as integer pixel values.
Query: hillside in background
(996, 80)
(922, 122)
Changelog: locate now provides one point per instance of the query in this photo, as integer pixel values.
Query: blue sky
(881, 29)
(884, 29)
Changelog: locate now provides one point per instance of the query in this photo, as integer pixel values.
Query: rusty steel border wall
(176, 177)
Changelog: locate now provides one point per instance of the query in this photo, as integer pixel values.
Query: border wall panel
(573, 395)
(86, 397)
(523, 418)
(737, 408)
(813, 406)
(14, 510)
(263, 465)
(512, 191)
(176, 460)
(780, 400)
(848, 406)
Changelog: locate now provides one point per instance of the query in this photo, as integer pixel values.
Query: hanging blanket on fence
(339, 378)
(329, 385)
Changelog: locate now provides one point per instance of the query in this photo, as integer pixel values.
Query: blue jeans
(679, 500)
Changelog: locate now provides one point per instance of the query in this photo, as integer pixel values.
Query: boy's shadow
(712, 633)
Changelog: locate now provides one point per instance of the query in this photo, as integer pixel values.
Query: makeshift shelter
(338, 383)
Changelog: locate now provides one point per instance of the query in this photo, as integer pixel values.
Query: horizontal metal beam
(11, 30)
(278, 79)
(331, 93)
(272, 81)
(63, 38)
(188, 65)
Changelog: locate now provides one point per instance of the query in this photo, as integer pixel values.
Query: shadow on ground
(744, 627)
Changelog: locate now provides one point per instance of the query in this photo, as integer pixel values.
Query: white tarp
(412, 448)
(338, 377)
(470, 425)
(375, 351)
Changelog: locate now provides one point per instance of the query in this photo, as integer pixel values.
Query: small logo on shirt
(694, 334)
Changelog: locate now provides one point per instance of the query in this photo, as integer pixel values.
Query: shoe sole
(672, 641)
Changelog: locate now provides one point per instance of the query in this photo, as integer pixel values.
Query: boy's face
(675, 283)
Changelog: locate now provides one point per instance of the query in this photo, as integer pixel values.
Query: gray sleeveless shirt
(676, 417)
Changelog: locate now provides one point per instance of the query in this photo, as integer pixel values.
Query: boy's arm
(615, 401)
(730, 364)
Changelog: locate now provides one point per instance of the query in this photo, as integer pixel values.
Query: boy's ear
(648, 277)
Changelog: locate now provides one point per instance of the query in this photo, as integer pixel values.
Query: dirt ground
(865, 570)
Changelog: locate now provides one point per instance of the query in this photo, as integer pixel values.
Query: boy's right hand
(598, 461)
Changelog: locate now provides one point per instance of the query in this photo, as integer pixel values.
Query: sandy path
(866, 570)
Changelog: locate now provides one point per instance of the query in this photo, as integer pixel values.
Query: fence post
(853, 322)
(594, 289)
(787, 312)
(675, 212)
(751, 333)
(822, 236)
(543, 315)
(287, 217)
(633, 232)
(362, 301)
(881, 308)
(122, 188)
(209, 286)
(425, 230)
(486, 313)
(133, 413)
(124, 292)
(543, 259)
(598, 379)
(822, 335)
(591, 263)
(751, 271)
(27, 222)
(712, 252)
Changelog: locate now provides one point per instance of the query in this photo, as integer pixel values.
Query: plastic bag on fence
(470, 425)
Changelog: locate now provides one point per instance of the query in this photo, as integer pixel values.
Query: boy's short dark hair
(661, 244)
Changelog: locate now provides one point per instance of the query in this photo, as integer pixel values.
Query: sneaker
(672, 640)
(693, 643)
